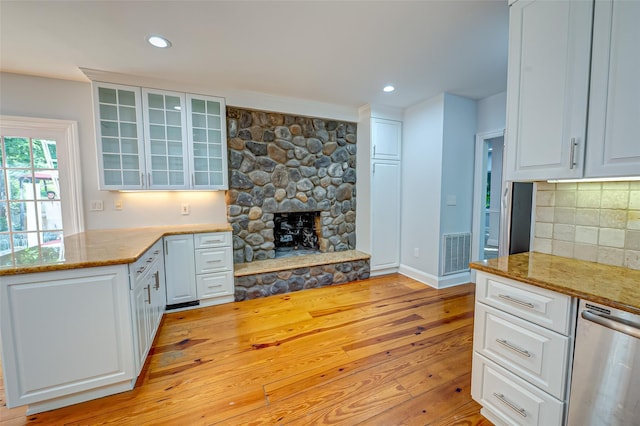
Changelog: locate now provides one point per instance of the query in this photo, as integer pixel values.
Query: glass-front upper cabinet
(207, 139)
(165, 139)
(151, 139)
(118, 119)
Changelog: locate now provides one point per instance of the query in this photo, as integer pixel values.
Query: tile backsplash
(594, 221)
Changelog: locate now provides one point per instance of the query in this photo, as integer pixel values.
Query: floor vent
(456, 252)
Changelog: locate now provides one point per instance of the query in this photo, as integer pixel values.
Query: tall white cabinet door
(179, 264)
(386, 139)
(118, 116)
(613, 148)
(165, 139)
(385, 215)
(547, 88)
(207, 140)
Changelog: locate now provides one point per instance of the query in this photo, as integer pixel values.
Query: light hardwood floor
(383, 351)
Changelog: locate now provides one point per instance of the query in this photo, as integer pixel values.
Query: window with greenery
(30, 198)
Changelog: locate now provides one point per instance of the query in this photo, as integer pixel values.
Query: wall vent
(456, 250)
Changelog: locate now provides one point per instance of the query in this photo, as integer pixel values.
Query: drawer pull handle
(510, 404)
(514, 348)
(214, 261)
(514, 300)
(211, 241)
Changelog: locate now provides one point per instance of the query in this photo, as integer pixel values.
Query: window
(39, 186)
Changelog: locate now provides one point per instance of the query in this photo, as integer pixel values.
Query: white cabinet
(523, 346)
(385, 216)
(554, 86)
(199, 269)
(386, 139)
(66, 336)
(547, 88)
(179, 268)
(148, 300)
(155, 139)
(120, 146)
(614, 110)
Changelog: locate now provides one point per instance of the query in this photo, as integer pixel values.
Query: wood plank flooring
(383, 351)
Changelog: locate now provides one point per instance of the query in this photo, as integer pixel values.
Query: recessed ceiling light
(388, 89)
(158, 41)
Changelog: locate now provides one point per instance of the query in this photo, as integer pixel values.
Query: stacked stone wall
(281, 163)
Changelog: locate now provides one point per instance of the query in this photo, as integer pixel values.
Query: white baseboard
(383, 271)
(434, 281)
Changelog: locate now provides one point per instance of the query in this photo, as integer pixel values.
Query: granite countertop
(614, 286)
(96, 248)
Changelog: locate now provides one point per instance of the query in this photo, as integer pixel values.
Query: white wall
(458, 163)
(492, 113)
(421, 183)
(29, 96)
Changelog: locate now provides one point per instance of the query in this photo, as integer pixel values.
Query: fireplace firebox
(296, 233)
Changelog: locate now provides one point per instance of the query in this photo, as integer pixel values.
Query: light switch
(185, 209)
(96, 206)
(451, 200)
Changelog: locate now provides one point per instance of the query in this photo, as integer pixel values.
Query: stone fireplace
(285, 165)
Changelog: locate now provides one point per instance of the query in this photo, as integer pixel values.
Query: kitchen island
(77, 319)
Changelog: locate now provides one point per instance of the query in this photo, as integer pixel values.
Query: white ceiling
(338, 52)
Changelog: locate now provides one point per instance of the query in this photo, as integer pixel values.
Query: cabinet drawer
(213, 260)
(511, 399)
(538, 355)
(546, 308)
(215, 285)
(213, 239)
(141, 265)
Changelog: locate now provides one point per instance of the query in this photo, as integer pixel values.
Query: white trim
(70, 173)
(432, 280)
(478, 191)
(383, 271)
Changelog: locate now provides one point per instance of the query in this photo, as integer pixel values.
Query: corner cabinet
(152, 139)
(554, 85)
(522, 352)
(547, 88)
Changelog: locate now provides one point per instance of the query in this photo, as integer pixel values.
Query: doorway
(487, 194)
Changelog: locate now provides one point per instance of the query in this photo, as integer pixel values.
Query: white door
(385, 215)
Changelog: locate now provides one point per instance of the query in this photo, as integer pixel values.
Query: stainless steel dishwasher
(605, 385)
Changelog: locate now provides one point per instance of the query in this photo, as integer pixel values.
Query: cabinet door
(180, 267)
(386, 139)
(65, 333)
(385, 215)
(118, 117)
(206, 118)
(614, 107)
(141, 320)
(547, 88)
(165, 139)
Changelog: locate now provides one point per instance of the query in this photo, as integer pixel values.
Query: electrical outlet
(96, 206)
(118, 204)
(185, 209)
(416, 252)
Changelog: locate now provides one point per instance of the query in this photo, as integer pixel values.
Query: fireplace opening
(296, 234)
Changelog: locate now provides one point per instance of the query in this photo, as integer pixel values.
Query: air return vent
(456, 250)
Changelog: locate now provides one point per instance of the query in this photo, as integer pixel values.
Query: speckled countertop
(96, 248)
(610, 285)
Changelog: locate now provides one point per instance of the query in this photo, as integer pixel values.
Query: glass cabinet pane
(165, 142)
(207, 120)
(119, 135)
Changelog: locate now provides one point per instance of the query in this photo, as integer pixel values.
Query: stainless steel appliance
(605, 387)
(515, 218)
